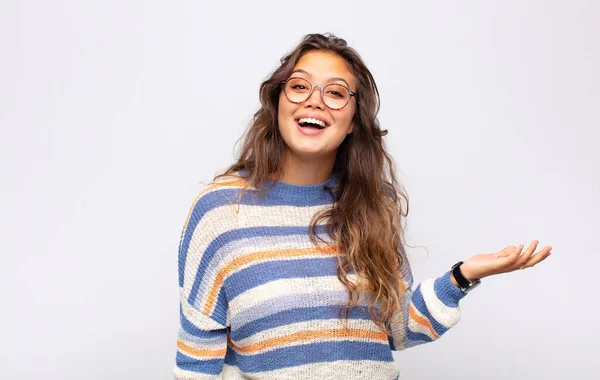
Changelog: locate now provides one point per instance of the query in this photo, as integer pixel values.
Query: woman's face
(320, 68)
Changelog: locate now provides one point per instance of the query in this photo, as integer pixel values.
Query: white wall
(112, 112)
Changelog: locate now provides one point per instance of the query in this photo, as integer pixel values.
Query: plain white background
(112, 112)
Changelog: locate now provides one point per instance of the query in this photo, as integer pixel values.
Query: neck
(306, 172)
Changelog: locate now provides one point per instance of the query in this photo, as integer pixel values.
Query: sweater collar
(309, 194)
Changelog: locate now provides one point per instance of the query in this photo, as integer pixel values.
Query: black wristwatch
(464, 284)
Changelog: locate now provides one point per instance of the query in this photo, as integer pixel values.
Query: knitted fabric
(259, 301)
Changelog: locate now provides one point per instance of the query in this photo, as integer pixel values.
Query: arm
(427, 312)
(201, 346)
(432, 308)
(202, 336)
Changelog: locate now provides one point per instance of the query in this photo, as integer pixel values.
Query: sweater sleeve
(427, 312)
(202, 336)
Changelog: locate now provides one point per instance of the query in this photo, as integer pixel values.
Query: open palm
(506, 260)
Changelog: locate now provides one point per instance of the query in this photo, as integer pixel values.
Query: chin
(300, 149)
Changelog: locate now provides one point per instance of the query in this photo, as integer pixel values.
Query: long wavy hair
(365, 219)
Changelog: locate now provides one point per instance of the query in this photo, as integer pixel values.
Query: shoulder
(217, 197)
(224, 183)
(211, 214)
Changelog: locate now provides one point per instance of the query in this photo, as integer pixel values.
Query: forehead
(321, 66)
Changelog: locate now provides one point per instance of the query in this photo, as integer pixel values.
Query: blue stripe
(317, 352)
(184, 336)
(210, 367)
(419, 302)
(417, 337)
(200, 208)
(411, 343)
(264, 272)
(291, 301)
(223, 197)
(242, 233)
(446, 291)
(295, 315)
(190, 328)
(391, 342)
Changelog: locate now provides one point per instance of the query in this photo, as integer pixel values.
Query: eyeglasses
(335, 96)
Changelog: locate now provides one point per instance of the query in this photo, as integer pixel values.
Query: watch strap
(464, 284)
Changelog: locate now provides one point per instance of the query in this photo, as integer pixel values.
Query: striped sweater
(259, 301)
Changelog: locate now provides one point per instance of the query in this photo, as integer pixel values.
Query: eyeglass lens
(297, 90)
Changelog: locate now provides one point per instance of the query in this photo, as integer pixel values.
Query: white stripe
(192, 340)
(225, 218)
(306, 326)
(417, 327)
(241, 247)
(446, 316)
(197, 317)
(285, 287)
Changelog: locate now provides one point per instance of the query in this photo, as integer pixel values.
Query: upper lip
(313, 116)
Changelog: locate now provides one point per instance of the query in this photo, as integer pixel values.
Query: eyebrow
(329, 80)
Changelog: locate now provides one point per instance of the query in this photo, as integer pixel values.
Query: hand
(507, 260)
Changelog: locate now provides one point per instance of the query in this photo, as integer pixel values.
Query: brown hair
(365, 218)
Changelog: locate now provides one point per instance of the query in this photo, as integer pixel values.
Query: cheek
(279, 106)
(346, 118)
(284, 108)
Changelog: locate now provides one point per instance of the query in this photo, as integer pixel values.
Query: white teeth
(311, 120)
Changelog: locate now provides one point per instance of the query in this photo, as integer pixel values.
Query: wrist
(462, 281)
(468, 273)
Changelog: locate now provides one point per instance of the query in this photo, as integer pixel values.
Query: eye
(336, 94)
(298, 87)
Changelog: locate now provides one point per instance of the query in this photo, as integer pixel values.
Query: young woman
(292, 263)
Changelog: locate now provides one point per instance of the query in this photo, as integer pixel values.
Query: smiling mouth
(311, 123)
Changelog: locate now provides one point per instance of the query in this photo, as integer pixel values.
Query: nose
(315, 99)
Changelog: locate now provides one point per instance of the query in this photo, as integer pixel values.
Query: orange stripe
(202, 353)
(309, 335)
(421, 320)
(257, 256)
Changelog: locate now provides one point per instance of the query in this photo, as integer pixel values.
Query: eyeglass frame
(321, 88)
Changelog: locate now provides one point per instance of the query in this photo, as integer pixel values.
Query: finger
(515, 254)
(507, 251)
(507, 262)
(526, 254)
(538, 257)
